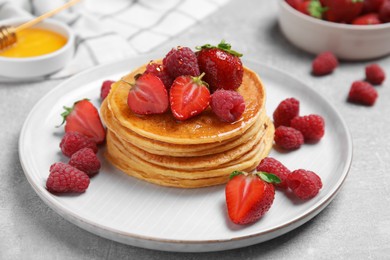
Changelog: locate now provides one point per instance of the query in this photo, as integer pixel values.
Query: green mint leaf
(269, 177)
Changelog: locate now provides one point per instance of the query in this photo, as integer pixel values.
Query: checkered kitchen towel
(109, 30)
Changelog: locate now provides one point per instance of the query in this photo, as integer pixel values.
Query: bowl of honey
(39, 50)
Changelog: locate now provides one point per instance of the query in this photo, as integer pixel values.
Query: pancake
(139, 168)
(178, 150)
(196, 162)
(206, 128)
(198, 152)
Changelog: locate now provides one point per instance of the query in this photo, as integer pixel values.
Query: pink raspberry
(324, 64)
(362, 93)
(375, 74)
(66, 178)
(181, 61)
(228, 105)
(161, 72)
(271, 165)
(286, 111)
(105, 89)
(288, 138)
(304, 184)
(73, 141)
(85, 160)
(312, 127)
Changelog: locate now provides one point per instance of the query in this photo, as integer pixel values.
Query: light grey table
(356, 225)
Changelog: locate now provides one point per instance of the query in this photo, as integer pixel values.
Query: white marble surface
(356, 225)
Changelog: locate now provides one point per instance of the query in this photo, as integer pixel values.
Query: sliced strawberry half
(148, 95)
(249, 196)
(84, 118)
(189, 96)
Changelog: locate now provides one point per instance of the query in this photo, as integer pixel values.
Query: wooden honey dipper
(8, 33)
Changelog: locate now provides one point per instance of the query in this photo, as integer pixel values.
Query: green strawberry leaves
(222, 46)
(265, 176)
(316, 10)
(269, 177)
(235, 173)
(198, 80)
(67, 112)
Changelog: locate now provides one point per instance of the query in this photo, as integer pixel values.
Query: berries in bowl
(360, 32)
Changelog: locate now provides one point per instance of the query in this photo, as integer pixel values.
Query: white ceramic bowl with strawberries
(346, 41)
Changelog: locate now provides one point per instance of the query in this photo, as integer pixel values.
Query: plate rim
(81, 221)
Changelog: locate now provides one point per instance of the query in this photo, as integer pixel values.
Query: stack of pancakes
(198, 152)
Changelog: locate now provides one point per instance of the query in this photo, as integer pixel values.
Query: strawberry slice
(189, 96)
(148, 95)
(249, 196)
(83, 117)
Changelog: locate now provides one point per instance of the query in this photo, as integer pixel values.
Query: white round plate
(119, 207)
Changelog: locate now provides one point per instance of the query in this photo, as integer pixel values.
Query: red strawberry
(294, 3)
(384, 12)
(189, 96)
(148, 95)
(312, 8)
(84, 118)
(249, 196)
(222, 66)
(342, 11)
(105, 88)
(372, 6)
(367, 19)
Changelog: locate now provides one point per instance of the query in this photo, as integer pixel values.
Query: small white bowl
(348, 42)
(33, 67)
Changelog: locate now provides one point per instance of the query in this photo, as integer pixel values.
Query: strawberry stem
(131, 84)
(224, 46)
(198, 80)
(316, 10)
(68, 110)
(268, 177)
(235, 173)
